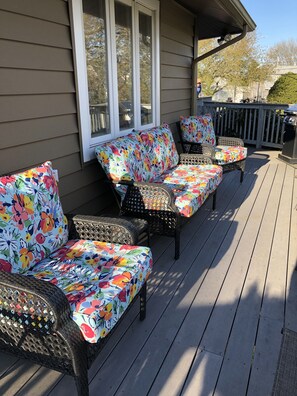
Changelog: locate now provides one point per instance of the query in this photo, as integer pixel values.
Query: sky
(276, 20)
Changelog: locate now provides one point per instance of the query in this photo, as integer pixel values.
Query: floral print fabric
(161, 149)
(191, 185)
(32, 223)
(228, 154)
(124, 158)
(99, 280)
(198, 129)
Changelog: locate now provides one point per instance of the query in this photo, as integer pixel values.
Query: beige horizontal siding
(175, 83)
(175, 60)
(20, 82)
(177, 40)
(54, 10)
(175, 72)
(38, 105)
(34, 57)
(23, 28)
(22, 107)
(82, 197)
(170, 95)
(183, 37)
(22, 132)
(22, 157)
(175, 47)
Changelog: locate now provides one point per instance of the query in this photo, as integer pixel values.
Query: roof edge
(239, 9)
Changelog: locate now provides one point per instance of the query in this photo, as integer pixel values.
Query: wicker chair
(36, 315)
(144, 194)
(197, 137)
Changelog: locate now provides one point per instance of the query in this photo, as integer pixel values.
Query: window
(117, 64)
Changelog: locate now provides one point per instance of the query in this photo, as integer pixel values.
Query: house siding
(38, 107)
(177, 51)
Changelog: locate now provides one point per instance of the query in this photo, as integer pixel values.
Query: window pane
(123, 22)
(96, 54)
(145, 60)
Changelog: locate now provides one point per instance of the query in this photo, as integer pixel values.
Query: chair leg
(177, 244)
(142, 295)
(214, 200)
(241, 175)
(81, 380)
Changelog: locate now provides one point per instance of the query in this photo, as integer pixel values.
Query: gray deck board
(240, 348)
(291, 306)
(214, 317)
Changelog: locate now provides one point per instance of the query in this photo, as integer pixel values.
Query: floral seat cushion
(99, 280)
(191, 185)
(161, 149)
(198, 129)
(32, 223)
(230, 154)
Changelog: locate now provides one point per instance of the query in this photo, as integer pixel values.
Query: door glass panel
(96, 57)
(123, 34)
(145, 61)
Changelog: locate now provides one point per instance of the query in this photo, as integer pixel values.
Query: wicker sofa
(155, 182)
(61, 297)
(197, 136)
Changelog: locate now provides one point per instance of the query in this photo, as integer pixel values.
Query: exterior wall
(38, 109)
(38, 112)
(177, 52)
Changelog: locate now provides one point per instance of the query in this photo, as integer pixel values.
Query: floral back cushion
(32, 223)
(161, 149)
(198, 129)
(124, 159)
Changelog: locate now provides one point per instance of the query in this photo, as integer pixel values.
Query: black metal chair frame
(209, 150)
(56, 342)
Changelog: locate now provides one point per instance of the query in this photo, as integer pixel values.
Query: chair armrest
(34, 304)
(229, 141)
(208, 150)
(142, 197)
(195, 159)
(104, 229)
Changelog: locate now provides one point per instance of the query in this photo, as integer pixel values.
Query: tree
(283, 53)
(237, 65)
(284, 89)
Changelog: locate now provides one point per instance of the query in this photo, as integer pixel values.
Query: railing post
(260, 127)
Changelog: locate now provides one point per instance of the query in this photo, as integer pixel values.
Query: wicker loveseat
(60, 297)
(197, 136)
(154, 182)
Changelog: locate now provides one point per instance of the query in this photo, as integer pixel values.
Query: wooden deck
(214, 317)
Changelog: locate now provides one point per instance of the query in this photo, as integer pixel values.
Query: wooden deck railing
(256, 123)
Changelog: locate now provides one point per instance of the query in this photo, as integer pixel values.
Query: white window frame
(150, 7)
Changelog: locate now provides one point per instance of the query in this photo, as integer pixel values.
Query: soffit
(216, 18)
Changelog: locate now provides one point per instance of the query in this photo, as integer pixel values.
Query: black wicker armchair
(219, 152)
(155, 182)
(64, 285)
(35, 315)
(155, 203)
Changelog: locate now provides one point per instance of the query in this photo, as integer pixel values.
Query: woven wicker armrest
(143, 196)
(104, 229)
(208, 149)
(195, 159)
(229, 141)
(33, 303)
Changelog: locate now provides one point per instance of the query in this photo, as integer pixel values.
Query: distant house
(79, 72)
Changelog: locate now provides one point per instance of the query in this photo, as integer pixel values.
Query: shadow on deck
(214, 317)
